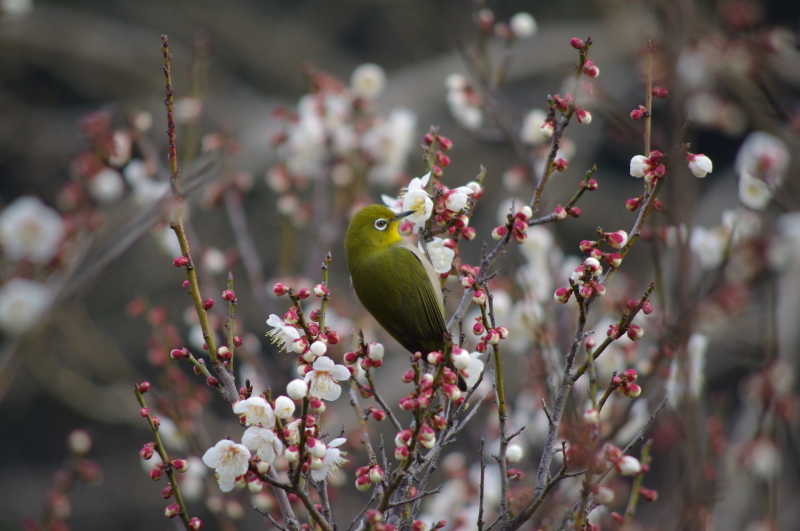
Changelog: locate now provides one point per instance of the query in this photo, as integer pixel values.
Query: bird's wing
(420, 323)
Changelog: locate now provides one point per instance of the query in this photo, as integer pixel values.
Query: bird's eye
(381, 224)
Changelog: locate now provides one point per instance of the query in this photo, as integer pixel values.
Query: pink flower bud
(290, 317)
(468, 233)
(401, 453)
(638, 114)
(478, 328)
(590, 69)
(617, 239)
(647, 308)
(303, 293)
(228, 295)
(180, 261)
(634, 390)
(363, 483)
(156, 474)
(576, 43)
(591, 185)
(181, 465)
(575, 212)
(587, 245)
(208, 304)
(378, 414)
(452, 392)
(499, 232)
(212, 381)
(144, 387)
(408, 376)
(633, 203)
(320, 290)
(408, 403)
(562, 295)
(224, 353)
(635, 332)
(648, 494)
(375, 474)
(613, 259)
(144, 412)
(292, 454)
(428, 138)
(560, 164)
(598, 288)
(560, 213)
(479, 297)
(147, 451)
(547, 129)
(584, 117)
(167, 492)
(172, 510)
(195, 524)
(660, 92)
(444, 143)
(435, 357)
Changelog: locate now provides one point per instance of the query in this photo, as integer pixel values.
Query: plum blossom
(389, 142)
(229, 461)
(709, 247)
(456, 199)
(699, 165)
(282, 332)
(332, 461)
(441, 256)
(30, 230)
(323, 378)
(531, 130)
(753, 193)
(263, 442)
(368, 81)
(285, 406)
(23, 302)
(523, 25)
(256, 412)
(763, 156)
(464, 102)
(474, 370)
(415, 198)
(107, 186)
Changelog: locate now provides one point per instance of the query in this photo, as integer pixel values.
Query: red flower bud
(228, 295)
(180, 261)
(576, 43)
(208, 304)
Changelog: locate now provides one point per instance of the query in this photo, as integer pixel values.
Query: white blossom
(416, 198)
(368, 81)
(297, 389)
(531, 130)
(229, 461)
(389, 142)
(457, 198)
(753, 193)
(263, 443)
(332, 461)
(523, 25)
(475, 369)
(282, 332)
(107, 186)
(441, 256)
(709, 247)
(30, 230)
(628, 466)
(285, 406)
(764, 157)
(700, 165)
(23, 303)
(639, 164)
(323, 379)
(256, 411)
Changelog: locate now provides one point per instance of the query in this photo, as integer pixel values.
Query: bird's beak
(402, 215)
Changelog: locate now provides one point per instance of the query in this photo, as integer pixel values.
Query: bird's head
(373, 227)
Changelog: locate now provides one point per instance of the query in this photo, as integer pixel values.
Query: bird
(394, 281)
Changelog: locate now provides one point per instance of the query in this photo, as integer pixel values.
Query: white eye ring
(381, 224)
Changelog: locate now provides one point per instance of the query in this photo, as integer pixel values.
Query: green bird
(394, 281)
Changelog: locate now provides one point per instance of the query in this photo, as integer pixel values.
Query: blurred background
(82, 127)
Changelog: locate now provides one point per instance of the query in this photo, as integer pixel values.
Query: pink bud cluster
(313, 341)
(368, 357)
(367, 475)
(435, 145)
(624, 384)
(651, 167)
(517, 226)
